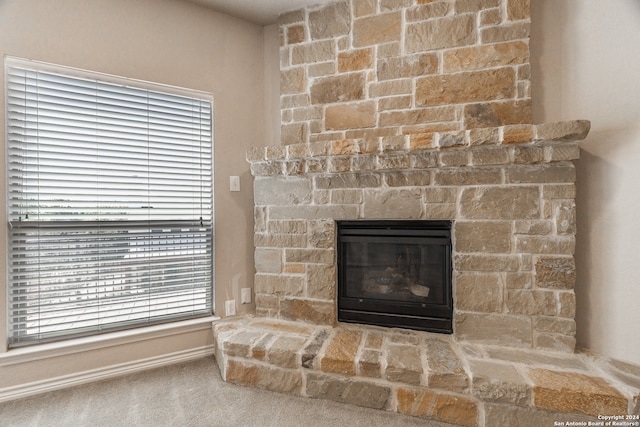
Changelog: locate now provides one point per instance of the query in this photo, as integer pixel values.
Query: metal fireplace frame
(432, 317)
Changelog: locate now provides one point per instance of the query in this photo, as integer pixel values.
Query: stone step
(423, 374)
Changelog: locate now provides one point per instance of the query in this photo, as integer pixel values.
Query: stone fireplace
(420, 110)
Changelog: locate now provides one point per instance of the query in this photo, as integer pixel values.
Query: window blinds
(110, 204)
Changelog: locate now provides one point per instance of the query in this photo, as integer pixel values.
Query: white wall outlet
(234, 183)
(230, 308)
(245, 295)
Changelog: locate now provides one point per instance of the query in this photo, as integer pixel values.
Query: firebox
(395, 274)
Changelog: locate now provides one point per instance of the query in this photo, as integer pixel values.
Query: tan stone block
(306, 113)
(321, 282)
(417, 116)
(394, 103)
(294, 133)
(490, 17)
(353, 180)
(528, 155)
(505, 203)
(546, 245)
(487, 263)
(452, 139)
(394, 4)
(355, 60)
(240, 343)
(507, 32)
(484, 136)
(314, 311)
(393, 161)
(294, 268)
(330, 21)
(520, 416)
(313, 52)
(278, 284)
(497, 114)
(488, 156)
(566, 151)
(556, 273)
(445, 368)
(341, 88)
(390, 88)
(404, 364)
(256, 154)
(466, 87)
(575, 130)
(403, 336)
(513, 134)
(440, 211)
(427, 11)
(377, 29)
(573, 392)
(259, 348)
(295, 34)
(340, 354)
(534, 227)
(400, 67)
(284, 351)
(350, 116)
(268, 260)
(294, 101)
(531, 302)
(291, 17)
(468, 176)
(354, 392)
(370, 363)
(478, 292)
(278, 240)
(557, 173)
(269, 302)
(466, 6)
(486, 56)
(567, 304)
(407, 179)
(287, 226)
(321, 69)
(440, 33)
(483, 236)
(555, 342)
(518, 9)
(499, 382)
(277, 152)
(264, 377)
(363, 7)
(496, 329)
(448, 408)
(241, 373)
(536, 358)
(392, 203)
(519, 281)
(312, 348)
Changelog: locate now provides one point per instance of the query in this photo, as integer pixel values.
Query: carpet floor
(187, 394)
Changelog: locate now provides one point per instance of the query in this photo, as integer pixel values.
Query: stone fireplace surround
(421, 109)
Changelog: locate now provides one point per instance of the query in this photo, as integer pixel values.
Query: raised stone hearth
(424, 374)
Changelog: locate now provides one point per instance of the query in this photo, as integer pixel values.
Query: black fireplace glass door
(395, 273)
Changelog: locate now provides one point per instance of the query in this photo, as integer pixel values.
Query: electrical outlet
(230, 308)
(245, 295)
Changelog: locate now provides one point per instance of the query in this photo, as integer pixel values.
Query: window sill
(63, 348)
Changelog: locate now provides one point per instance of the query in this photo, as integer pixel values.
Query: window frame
(113, 80)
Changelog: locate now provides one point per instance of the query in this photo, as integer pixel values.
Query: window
(109, 201)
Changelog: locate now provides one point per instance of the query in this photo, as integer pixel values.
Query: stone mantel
(517, 144)
(509, 190)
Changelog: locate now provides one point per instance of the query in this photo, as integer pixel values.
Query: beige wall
(171, 42)
(585, 66)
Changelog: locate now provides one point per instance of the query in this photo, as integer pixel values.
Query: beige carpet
(188, 394)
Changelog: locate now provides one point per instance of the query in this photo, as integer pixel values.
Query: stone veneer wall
(510, 191)
(371, 68)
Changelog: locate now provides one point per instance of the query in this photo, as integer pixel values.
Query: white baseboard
(57, 383)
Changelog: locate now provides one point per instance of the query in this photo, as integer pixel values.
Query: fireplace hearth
(395, 274)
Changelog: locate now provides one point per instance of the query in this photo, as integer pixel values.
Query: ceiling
(262, 12)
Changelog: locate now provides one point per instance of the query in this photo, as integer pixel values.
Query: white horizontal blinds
(110, 205)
